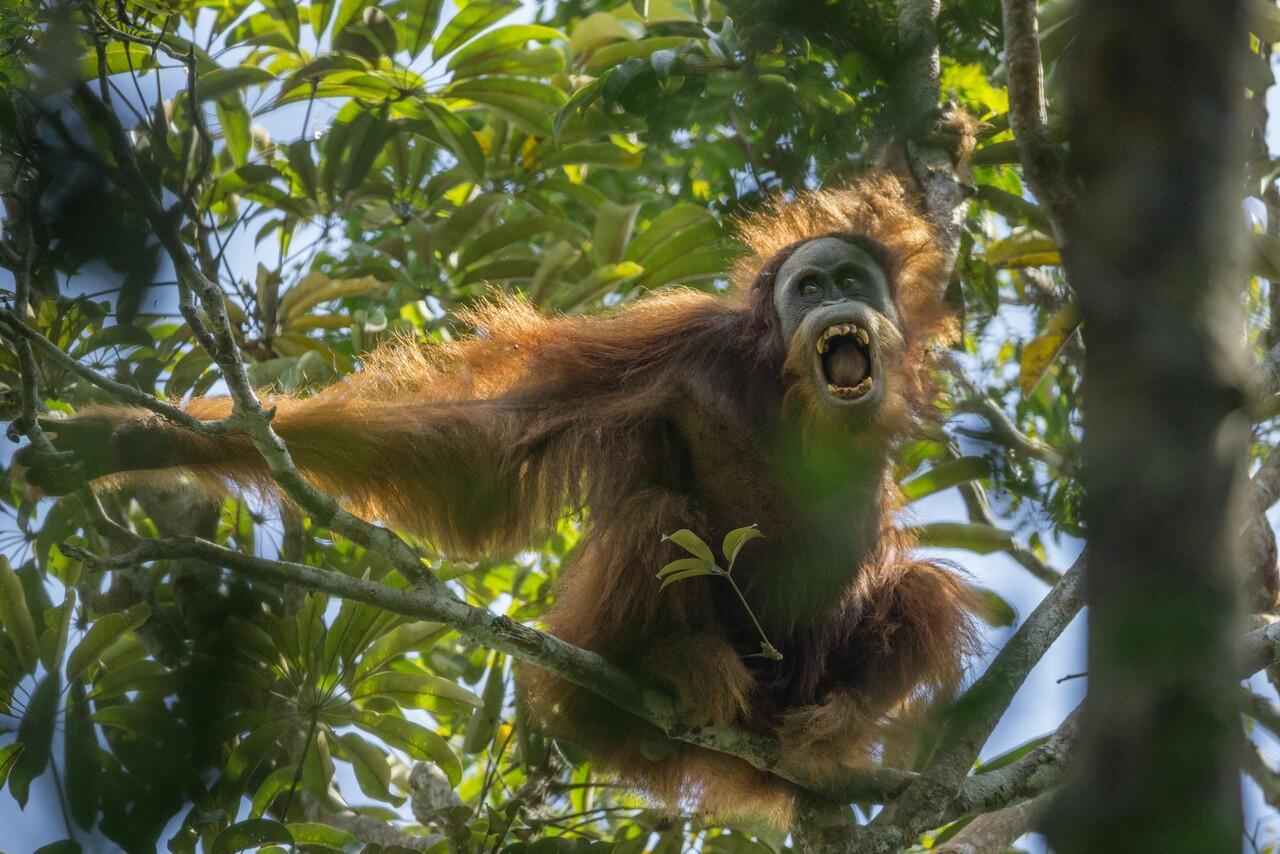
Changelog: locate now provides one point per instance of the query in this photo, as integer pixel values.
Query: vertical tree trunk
(1156, 97)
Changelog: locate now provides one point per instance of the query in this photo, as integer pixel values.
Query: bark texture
(1156, 98)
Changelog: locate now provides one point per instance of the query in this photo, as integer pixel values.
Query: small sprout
(703, 563)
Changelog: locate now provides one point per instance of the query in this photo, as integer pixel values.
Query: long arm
(475, 444)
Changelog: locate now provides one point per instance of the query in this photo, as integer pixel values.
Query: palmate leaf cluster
(351, 171)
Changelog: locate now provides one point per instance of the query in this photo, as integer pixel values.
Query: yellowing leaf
(1040, 352)
(1024, 247)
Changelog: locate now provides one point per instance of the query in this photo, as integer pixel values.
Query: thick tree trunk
(1156, 97)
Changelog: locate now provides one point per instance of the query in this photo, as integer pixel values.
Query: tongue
(845, 364)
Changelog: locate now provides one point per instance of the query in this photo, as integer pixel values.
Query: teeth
(842, 329)
(845, 393)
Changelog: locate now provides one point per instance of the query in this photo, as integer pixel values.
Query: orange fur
(678, 411)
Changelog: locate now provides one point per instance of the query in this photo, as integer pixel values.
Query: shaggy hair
(662, 415)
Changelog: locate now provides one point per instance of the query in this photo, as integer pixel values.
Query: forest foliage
(354, 171)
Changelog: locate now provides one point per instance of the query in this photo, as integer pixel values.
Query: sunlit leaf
(396, 642)
(972, 536)
(414, 739)
(598, 29)
(482, 51)
(417, 690)
(945, 475)
(470, 20)
(253, 833)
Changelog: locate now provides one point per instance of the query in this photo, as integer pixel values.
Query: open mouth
(844, 353)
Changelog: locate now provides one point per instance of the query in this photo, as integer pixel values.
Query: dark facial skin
(833, 299)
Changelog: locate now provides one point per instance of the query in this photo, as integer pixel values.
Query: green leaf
(481, 52)
(518, 231)
(276, 784)
(502, 271)
(667, 227)
(253, 833)
(945, 475)
(456, 135)
(9, 755)
(704, 264)
(53, 641)
(527, 104)
(226, 81)
(396, 642)
(610, 55)
(599, 29)
(101, 635)
(318, 13)
(187, 372)
(578, 102)
(322, 835)
(1012, 755)
(474, 18)
(80, 746)
(996, 610)
(414, 739)
(484, 720)
(417, 690)
(689, 573)
(254, 748)
(599, 154)
(613, 229)
(35, 733)
(349, 11)
(692, 543)
(16, 617)
(685, 564)
(120, 335)
(373, 772)
(234, 121)
(973, 536)
(544, 61)
(136, 720)
(736, 539)
(418, 24)
(463, 222)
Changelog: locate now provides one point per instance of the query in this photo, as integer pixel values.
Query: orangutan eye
(849, 283)
(809, 288)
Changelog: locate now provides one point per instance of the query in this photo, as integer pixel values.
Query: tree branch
(994, 832)
(523, 643)
(1028, 116)
(248, 415)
